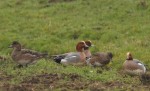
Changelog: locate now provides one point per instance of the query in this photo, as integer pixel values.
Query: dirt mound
(64, 82)
(4, 77)
(51, 78)
(53, 81)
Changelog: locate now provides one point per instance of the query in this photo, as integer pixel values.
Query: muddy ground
(65, 82)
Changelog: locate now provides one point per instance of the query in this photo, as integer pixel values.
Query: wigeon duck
(72, 57)
(99, 58)
(24, 56)
(133, 66)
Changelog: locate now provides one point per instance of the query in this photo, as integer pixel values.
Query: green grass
(118, 26)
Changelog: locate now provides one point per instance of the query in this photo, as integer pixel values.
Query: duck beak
(92, 45)
(10, 46)
(86, 45)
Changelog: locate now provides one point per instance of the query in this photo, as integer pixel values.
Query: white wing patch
(66, 61)
(142, 65)
(71, 57)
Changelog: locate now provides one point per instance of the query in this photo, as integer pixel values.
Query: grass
(56, 27)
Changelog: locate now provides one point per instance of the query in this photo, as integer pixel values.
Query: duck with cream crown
(133, 66)
(98, 58)
(72, 57)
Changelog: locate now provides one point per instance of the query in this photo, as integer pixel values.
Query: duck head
(89, 44)
(129, 56)
(110, 55)
(80, 46)
(15, 45)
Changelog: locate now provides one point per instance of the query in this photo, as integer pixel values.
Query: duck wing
(27, 58)
(137, 61)
(73, 57)
(34, 53)
(101, 57)
(59, 57)
(140, 64)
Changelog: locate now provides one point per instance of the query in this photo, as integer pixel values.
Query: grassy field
(56, 26)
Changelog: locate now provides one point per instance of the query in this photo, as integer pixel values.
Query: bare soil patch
(53, 81)
(4, 77)
(65, 82)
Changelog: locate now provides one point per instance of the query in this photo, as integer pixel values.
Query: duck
(97, 59)
(133, 66)
(72, 57)
(23, 57)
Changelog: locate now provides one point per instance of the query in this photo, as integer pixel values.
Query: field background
(56, 26)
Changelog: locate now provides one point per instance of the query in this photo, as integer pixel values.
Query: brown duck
(98, 58)
(133, 66)
(24, 56)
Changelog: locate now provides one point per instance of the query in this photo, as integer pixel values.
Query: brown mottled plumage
(25, 56)
(99, 58)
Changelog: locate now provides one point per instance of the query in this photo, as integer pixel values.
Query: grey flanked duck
(24, 56)
(98, 58)
(133, 66)
(72, 57)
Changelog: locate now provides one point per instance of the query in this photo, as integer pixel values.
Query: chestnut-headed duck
(72, 57)
(133, 66)
(24, 56)
(98, 58)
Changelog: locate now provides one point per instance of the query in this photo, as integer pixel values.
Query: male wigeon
(24, 56)
(72, 57)
(98, 58)
(133, 66)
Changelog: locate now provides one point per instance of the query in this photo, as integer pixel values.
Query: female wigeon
(98, 58)
(72, 57)
(133, 66)
(24, 56)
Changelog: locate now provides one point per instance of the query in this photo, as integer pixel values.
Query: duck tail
(44, 55)
(58, 59)
(145, 78)
(110, 55)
